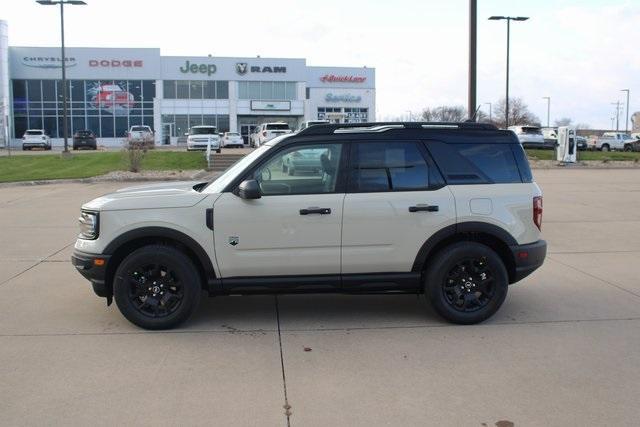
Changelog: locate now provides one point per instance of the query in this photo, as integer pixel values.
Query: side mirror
(249, 189)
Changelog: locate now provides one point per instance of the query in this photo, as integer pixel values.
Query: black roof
(454, 132)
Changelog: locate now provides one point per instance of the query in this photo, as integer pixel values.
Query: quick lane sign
(207, 69)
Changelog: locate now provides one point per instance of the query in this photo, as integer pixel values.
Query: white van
(268, 131)
(529, 136)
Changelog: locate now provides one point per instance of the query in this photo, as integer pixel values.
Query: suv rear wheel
(157, 287)
(466, 282)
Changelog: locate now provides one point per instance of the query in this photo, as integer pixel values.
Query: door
(245, 132)
(167, 131)
(395, 201)
(294, 228)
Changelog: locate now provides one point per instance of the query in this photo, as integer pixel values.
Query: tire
(628, 148)
(605, 147)
(138, 295)
(458, 299)
(219, 150)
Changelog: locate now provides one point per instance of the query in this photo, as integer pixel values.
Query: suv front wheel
(466, 282)
(157, 287)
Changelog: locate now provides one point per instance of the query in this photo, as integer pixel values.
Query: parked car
(84, 139)
(140, 136)
(424, 210)
(267, 131)
(200, 137)
(531, 137)
(112, 96)
(613, 141)
(35, 138)
(581, 143)
(308, 123)
(232, 139)
(303, 161)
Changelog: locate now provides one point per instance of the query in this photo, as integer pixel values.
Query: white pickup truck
(618, 141)
(140, 136)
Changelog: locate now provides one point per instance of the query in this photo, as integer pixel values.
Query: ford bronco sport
(445, 209)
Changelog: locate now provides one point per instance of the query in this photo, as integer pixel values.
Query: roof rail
(376, 127)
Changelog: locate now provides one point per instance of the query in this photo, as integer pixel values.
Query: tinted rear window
(532, 130)
(139, 129)
(278, 126)
(203, 131)
(476, 163)
(380, 167)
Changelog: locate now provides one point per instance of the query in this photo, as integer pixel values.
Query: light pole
(548, 98)
(65, 129)
(473, 43)
(626, 123)
(490, 112)
(508, 19)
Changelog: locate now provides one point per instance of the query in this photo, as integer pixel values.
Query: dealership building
(111, 89)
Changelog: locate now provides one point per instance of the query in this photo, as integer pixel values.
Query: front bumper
(94, 271)
(527, 258)
(35, 145)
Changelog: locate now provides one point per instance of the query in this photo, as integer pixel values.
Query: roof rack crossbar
(328, 129)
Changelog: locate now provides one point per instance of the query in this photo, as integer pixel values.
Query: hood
(179, 194)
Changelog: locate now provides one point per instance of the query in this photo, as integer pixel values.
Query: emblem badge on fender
(234, 240)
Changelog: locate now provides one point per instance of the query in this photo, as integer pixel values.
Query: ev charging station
(567, 149)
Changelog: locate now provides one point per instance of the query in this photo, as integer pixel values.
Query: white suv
(448, 209)
(35, 138)
(267, 131)
(200, 137)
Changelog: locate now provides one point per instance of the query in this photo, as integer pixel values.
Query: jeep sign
(207, 69)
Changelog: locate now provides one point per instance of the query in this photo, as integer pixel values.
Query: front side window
(309, 169)
(378, 167)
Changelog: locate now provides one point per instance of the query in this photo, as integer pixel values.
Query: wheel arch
(491, 235)
(128, 242)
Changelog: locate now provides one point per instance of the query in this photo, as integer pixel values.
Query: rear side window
(278, 126)
(476, 163)
(377, 167)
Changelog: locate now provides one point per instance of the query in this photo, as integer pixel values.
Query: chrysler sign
(48, 61)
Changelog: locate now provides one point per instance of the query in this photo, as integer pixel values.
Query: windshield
(230, 174)
(139, 129)
(203, 130)
(232, 134)
(531, 130)
(33, 132)
(278, 126)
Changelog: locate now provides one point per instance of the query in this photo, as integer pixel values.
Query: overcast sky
(579, 52)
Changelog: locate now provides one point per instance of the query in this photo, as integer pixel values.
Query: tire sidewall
(185, 270)
(444, 261)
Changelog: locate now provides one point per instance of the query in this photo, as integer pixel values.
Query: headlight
(89, 225)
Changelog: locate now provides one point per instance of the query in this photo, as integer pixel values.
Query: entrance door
(167, 132)
(294, 228)
(246, 131)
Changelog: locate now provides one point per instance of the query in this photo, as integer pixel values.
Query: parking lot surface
(563, 350)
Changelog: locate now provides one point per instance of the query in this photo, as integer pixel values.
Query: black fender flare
(468, 227)
(164, 233)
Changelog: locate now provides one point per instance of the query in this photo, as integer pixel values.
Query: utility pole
(617, 104)
(473, 44)
(626, 122)
(548, 98)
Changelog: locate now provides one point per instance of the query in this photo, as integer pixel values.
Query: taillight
(537, 212)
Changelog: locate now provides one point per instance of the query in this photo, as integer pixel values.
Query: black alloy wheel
(469, 285)
(157, 287)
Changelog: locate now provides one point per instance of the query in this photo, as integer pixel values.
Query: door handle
(315, 210)
(424, 208)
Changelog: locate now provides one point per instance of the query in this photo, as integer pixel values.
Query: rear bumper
(528, 258)
(96, 274)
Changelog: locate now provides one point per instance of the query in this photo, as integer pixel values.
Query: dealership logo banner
(48, 61)
(242, 68)
(116, 63)
(332, 78)
(207, 69)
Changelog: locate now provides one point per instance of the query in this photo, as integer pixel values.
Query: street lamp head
(497, 18)
(45, 2)
(76, 2)
(520, 18)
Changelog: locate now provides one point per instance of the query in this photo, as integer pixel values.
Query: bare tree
(444, 113)
(519, 113)
(583, 126)
(564, 121)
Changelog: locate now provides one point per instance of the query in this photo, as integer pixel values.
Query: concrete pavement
(563, 350)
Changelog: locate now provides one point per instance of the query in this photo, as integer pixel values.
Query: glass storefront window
(267, 90)
(34, 91)
(195, 89)
(222, 90)
(209, 90)
(169, 89)
(182, 89)
(49, 90)
(77, 90)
